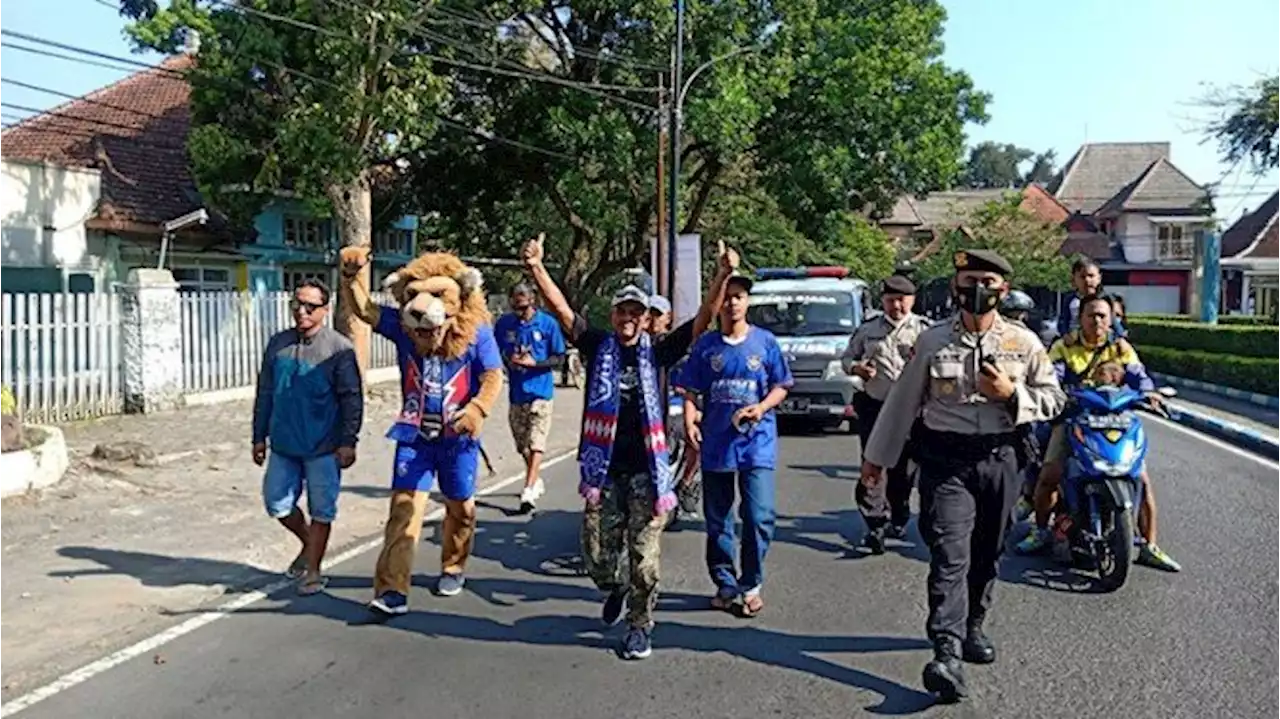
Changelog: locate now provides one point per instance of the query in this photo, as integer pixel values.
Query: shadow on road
(763, 646)
(848, 527)
(831, 471)
(1043, 573)
(156, 570)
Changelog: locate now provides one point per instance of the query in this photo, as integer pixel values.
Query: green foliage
(1241, 340)
(840, 106)
(1030, 245)
(853, 241)
(276, 105)
(1249, 320)
(1251, 374)
(1248, 126)
(992, 165)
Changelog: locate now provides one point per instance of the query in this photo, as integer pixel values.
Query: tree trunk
(353, 212)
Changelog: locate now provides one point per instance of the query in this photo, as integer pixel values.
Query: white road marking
(152, 643)
(1214, 441)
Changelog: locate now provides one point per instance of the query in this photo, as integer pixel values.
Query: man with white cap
(626, 476)
(659, 315)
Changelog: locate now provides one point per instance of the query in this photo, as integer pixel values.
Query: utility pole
(661, 286)
(673, 198)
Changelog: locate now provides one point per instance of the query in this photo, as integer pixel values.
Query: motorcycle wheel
(1116, 553)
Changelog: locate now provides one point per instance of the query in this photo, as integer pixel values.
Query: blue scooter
(1102, 484)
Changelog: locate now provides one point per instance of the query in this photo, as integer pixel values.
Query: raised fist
(533, 251)
(728, 257)
(352, 260)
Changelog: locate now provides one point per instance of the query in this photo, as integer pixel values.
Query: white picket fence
(62, 355)
(225, 333)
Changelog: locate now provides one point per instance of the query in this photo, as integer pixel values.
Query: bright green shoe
(1153, 556)
(1022, 510)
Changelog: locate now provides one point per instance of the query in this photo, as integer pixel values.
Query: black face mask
(977, 299)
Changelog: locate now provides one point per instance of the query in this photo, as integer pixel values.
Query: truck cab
(813, 311)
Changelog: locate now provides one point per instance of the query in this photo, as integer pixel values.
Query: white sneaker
(539, 488)
(528, 498)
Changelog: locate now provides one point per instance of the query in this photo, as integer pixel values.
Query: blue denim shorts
(285, 477)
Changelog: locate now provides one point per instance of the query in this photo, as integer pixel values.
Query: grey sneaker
(450, 584)
(636, 644)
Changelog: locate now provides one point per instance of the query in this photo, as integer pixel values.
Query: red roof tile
(134, 131)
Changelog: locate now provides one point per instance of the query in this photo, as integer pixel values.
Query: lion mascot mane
(451, 374)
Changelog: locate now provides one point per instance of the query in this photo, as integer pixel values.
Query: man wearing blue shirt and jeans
(309, 405)
(742, 376)
(532, 345)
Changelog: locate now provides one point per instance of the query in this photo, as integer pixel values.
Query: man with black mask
(973, 381)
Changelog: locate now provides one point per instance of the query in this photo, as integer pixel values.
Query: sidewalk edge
(1257, 398)
(1235, 434)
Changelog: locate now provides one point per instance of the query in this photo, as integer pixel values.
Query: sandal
(315, 585)
(752, 605)
(298, 568)
(724, 601)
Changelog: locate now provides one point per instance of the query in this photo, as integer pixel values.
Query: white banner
(688, 285)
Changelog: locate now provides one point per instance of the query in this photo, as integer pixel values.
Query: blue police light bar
(797, 273)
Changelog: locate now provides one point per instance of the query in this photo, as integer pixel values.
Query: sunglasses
(306, 307)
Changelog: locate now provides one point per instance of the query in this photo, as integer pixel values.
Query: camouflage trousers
(620, 546)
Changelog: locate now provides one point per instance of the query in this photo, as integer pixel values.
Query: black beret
(981, 261)
(898, 285)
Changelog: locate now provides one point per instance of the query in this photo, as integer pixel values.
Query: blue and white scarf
(600, 423)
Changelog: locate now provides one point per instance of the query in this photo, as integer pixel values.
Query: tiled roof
(1098, 171)
(940, 209)
(1161, 186)
(134, 131)
(1255, 233)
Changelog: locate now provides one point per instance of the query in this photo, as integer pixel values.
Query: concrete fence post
(151, 341)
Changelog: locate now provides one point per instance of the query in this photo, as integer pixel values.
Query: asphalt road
(841, 636)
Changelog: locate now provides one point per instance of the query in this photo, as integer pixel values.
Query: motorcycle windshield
(1105, 400)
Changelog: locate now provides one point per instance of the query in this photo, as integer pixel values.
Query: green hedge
(1234, 320)
(1251, 374)
(1245, 341)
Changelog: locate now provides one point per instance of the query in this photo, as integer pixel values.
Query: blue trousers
(758, 513)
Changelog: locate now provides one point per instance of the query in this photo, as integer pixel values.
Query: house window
(202, 279)
(293, 278)
(1173, 242)
(306, 234)
(393, 242)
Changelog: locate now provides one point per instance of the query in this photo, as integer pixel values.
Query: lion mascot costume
(451, 374)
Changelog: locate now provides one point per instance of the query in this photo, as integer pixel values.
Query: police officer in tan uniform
(974, 381)
(877, 353)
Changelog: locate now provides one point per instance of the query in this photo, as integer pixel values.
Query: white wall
(43, 209)
(1137, 236)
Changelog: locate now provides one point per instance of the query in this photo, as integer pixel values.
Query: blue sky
(1096, 70)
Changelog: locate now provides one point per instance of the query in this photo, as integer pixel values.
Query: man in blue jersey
(532, 346)
(742, 376)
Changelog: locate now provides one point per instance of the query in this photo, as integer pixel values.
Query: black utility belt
(956, 446)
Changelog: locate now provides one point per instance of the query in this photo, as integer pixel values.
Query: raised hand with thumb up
(533, 252)
(728, 257)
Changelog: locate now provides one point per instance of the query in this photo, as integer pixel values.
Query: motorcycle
(1102, 485)
(688, 493)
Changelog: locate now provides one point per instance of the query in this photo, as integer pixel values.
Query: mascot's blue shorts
(452, 461)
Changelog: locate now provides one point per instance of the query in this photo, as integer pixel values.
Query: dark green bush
(1242, 340)
(1251, 374)
(1246, 320)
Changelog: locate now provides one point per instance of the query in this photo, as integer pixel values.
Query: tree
(1248, 125)
(1043, 168)
(841, 106)
(993, 166)
(850, 240)
(313, 97)
(1031, 245)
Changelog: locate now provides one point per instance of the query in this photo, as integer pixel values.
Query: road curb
(1257, 398)
(1235, 434)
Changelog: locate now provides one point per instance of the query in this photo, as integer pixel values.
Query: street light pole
(673, 196)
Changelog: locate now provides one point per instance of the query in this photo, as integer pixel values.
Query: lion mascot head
(442, 303)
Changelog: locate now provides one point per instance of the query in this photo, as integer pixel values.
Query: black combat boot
(873, 541)
(944, 676)
(977, 648)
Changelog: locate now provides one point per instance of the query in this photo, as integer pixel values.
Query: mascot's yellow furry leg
(404, 529)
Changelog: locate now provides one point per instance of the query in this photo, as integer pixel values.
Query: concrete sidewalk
(117, 551)
(1242, 423)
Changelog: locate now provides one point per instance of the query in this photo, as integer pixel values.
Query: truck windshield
(803, 314)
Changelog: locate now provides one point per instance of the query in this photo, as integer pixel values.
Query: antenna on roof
(191, 42)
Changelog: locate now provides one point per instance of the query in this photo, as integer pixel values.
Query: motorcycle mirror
(1167, 392)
